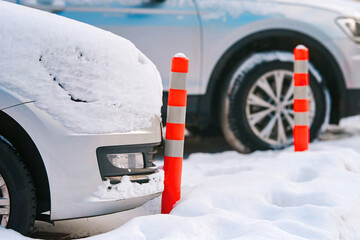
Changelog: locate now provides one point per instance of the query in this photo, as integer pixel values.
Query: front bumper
(110, 198)
(72, 166)
(347, 55)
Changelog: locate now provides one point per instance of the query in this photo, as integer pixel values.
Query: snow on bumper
(127, 189)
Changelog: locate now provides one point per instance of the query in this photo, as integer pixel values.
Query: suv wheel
(257, 101)
(17, 195)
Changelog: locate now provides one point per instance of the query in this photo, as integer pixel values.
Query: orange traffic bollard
(175, 132)
(301, 99)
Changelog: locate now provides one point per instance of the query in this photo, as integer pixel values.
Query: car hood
(90, 80)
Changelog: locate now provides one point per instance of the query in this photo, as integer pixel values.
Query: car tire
(16, 184)
(255, 115)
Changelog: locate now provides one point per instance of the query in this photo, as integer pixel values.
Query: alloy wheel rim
(269, 107)
(4, 202)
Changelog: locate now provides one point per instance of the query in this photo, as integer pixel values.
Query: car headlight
(351, 27)
(117, 161)
(126, 160)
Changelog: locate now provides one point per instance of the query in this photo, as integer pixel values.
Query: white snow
(51, 59)
(263, 195)
(180, 55)
(7, 234)
(301, 47)
(127, 189)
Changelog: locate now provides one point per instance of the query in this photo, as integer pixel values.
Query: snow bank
(7, 234)
(264, 195)
(128, 189)
(91, 80)
(268, 195)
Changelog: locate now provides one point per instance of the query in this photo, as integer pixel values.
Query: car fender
(9, 99)
(215, 49)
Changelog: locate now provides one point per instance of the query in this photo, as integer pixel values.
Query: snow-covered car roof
(89, 79)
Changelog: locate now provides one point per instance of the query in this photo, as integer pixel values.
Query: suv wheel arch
(274, 40)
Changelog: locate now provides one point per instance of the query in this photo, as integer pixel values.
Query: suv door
(159, 28)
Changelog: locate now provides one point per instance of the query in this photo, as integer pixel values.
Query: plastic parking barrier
(175, 132)
(301, 99)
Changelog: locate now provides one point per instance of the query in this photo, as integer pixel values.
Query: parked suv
(79, 111)
(240, 74)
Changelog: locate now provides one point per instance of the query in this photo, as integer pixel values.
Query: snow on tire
(257, 101)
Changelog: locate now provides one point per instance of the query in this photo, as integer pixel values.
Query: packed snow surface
(263, 195)
(7, 234)
(91, 80)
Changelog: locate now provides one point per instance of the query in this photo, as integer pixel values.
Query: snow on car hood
(91, 80)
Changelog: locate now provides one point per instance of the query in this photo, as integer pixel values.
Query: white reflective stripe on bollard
(174, 148)
(178, 80)
(176, 114)
(301, 118)
(301, 66)
(301, 92)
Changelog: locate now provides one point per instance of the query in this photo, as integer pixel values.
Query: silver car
(58, 157)
(240, 78)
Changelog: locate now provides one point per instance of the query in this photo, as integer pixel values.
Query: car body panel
(8, 100)
(71, 163)
(289, 18)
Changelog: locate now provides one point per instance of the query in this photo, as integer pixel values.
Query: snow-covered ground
(263, 195)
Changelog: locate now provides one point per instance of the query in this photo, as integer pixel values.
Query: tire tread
(30, 221)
